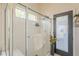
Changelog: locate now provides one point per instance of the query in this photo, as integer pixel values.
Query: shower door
(46, 31)
(19, 30)
(38, 34)
(26, 33)
(32, 32)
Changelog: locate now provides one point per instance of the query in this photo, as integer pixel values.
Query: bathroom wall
(51, 9)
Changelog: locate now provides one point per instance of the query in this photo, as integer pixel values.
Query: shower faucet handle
(28, 36)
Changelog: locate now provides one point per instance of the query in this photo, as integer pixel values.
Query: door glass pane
(62, 33)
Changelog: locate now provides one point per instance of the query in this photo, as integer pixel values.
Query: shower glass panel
(19, 13)
(45, 30)
(38, 34)
(27, 32)
(31, 32)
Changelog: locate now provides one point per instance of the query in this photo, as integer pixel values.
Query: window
(20, 12)
(32, 17)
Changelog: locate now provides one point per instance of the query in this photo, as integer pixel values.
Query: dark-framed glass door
(63, 30)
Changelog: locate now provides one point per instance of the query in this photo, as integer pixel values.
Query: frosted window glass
(62, 33)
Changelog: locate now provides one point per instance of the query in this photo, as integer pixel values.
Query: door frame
(70, 33)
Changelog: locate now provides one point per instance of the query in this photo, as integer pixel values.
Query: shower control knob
(28, 36)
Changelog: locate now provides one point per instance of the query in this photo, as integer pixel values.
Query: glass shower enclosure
(27, 33)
